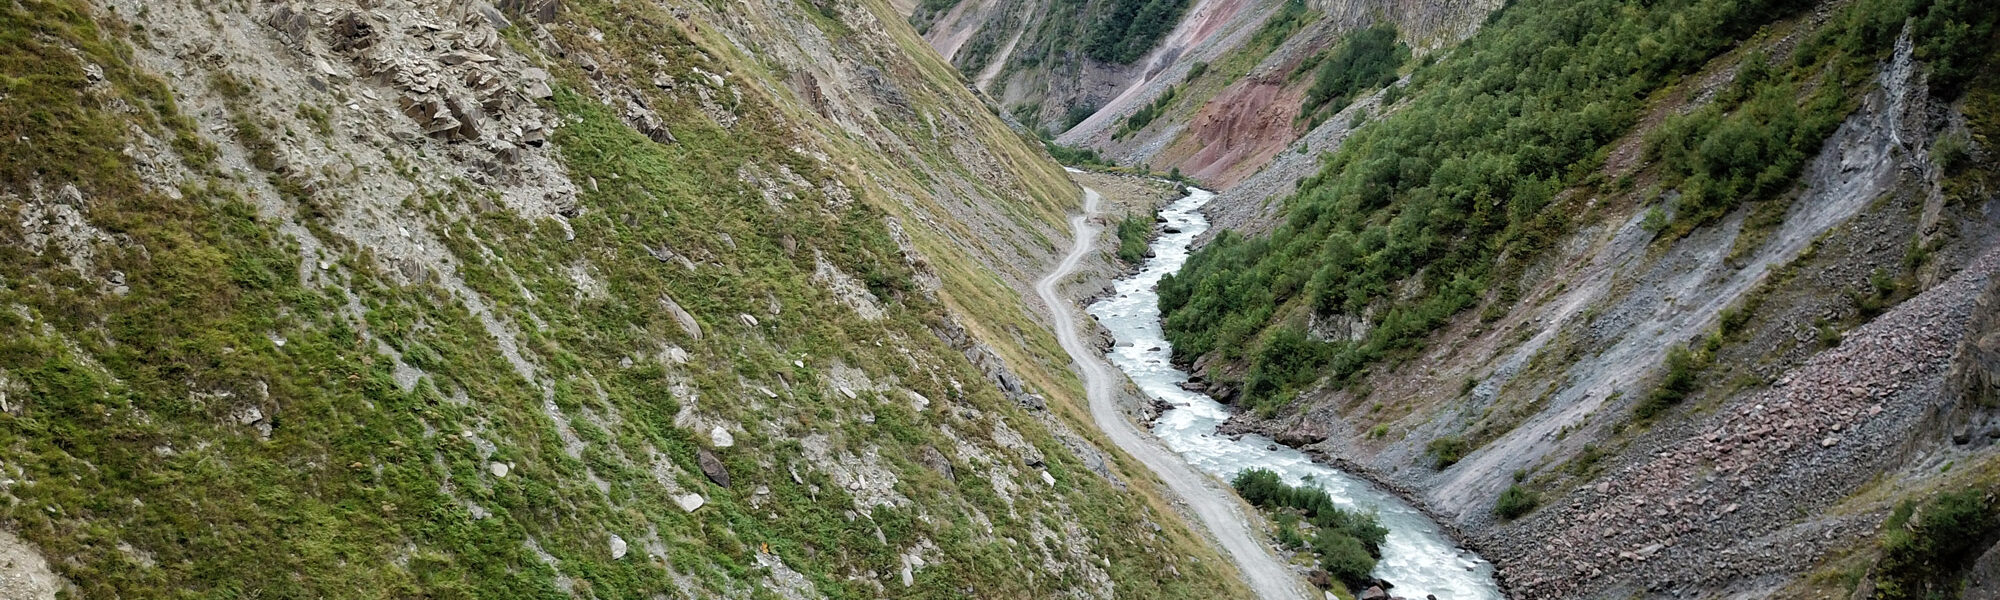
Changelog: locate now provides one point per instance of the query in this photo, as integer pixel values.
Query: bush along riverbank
(1345, 543)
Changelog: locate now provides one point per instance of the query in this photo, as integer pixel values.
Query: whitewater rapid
(1418, 557)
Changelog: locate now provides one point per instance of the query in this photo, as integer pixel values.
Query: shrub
(1586, 461)
(1955, 37)
(1365, 60)
(1280, 25)
(1655, 220)
(1264, 489)
(1829, 334)
(1261, 487)
(1288, 533)
(1196, 70)
(1951, 153)
(1076, 157)
(1287, 361)
(1516, 501)
(1344, 558)
(1145, 115)
(1446, 451)
(1076, 114)
(1131, 28)
(1133, 232)
(1733, 319)
(1925, 549)
(1675, 385)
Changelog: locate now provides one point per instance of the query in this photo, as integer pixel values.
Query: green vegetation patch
(1364, 61)
(1145, 115)
(1134, 232)
(1348, 543)
(1130, 28)
(1926, 547)
(1516, 501)
(1076, 156)
(1438, 207)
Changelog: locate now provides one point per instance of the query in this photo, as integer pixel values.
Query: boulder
(351, 32)
(931, 457)
(1983, 582)
(1300, 435)
(492, 15)
(1373, 593)
(537, 86)
(1320, 579)
(291, 21)
(646, 122)
(471, 118)
(712, 467)
(682, 317)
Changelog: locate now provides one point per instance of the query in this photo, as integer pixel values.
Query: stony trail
(1218, 510)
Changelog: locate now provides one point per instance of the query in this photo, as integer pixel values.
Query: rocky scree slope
(1650, 389)
(543, 299)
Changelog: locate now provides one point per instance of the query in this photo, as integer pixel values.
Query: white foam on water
(1418, 558)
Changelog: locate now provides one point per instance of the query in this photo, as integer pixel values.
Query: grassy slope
(133, 477)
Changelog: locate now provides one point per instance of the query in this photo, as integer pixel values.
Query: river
(1418, 557)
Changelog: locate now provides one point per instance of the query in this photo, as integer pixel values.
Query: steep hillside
(1216, 96)
(551, 299)
(1053, 63)
(1250, 100)
(1654, 299)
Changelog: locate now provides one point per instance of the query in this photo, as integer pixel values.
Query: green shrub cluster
(1196, 70)
(1956, 38)
(1445, 451)
(1076, 114)
(1145, 115)
(927, 13)
(1423, 213)
(1675, 385)
(1728, 153)
(1281, 25)
(1516, 501)
(1134, 231)
(1926, 548)
(1130, 29)
(1074, 156)
(1365, 60)
(1288, 360)
(1347, 542)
